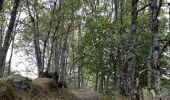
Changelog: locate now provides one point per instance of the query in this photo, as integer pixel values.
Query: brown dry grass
(44, 89)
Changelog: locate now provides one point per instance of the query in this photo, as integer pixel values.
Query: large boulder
(46, 84)
(21, 83)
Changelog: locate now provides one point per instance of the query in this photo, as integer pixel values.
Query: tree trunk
(63, 59)
(96, 81)
(79, 78)
(47, 35)
(133, 92)
(119, 49)
(36, 38)
(149, 82)
(107, 84)
(4, 48)
(101, 83)
(1, 4)
(10, 59)
(75, 80)
(155, 9)
(56, 64)
(79, 62)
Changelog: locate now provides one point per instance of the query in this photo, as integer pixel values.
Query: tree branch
(143, 8)
(151, 70)
(159, 7)
(163, 48)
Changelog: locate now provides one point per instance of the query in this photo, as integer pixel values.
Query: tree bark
(47, 35)
(101, 83)
(6, 43)
(10, 59)
(63, 58)
(119, 72)
(155, 10)
(1, 4)
(107, 84)
(36, 43)
(96, 81)
(79, 78)
(133, 92)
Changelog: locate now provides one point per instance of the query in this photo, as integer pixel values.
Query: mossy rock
(46, 84)
(53, 86)
(19, 83)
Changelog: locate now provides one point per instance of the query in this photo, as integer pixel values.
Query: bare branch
(163, 48)
(159, 7)
(143, 8)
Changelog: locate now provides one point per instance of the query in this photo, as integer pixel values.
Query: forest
(117, 49)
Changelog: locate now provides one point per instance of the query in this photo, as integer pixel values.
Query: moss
(53, 86)
(118, 96)
(8, 94)
(41, 89)
(107, 97)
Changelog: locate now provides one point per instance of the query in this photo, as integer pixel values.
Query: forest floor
(17, 87)
(88, 95)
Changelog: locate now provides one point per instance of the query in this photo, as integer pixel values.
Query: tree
(1, 4)
(131, 75)
(8, 36)
(155, 11)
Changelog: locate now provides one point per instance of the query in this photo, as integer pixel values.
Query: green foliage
(95, 34)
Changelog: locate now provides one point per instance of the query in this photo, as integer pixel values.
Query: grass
(45, 89)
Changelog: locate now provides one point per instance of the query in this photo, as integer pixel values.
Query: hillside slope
(17, 87)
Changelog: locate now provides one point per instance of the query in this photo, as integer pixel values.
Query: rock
(53, 75)
(21, 83)
(46, 84)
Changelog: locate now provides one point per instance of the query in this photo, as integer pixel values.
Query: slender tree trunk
(10, 59)
(79, 62)
(101, 84)
(75, 80)
(107, 84)
(1, 4)
(35, 30)
(96, 81)
(1, 30)
(38, 55)
(133, 92)
(149, 73)
(63, 59)
(56, 57)
(155, 10)
(52, 45)
(119, 54)
(4, 48)
(142, 95)
(47, 35)
(79, 78)
(82, 79)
